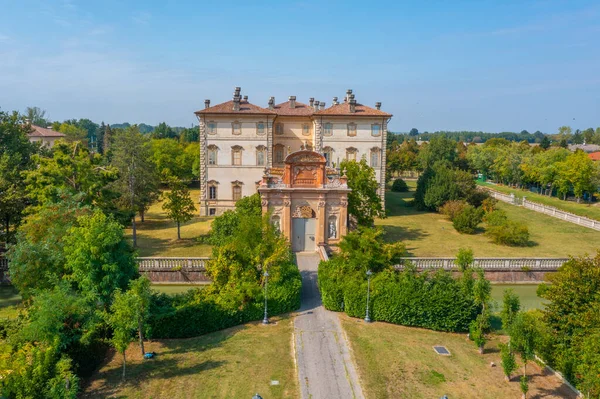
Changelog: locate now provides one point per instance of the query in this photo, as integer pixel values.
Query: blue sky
(452, 65)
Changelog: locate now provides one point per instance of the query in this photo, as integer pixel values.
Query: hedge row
(434, 301)
(199, 312)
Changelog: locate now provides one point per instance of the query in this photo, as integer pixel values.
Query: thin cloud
(141, 17)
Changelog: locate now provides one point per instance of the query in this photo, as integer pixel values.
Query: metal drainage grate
(441, 350)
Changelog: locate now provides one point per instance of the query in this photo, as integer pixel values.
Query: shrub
(489, 205)
(399, 186)
(495, 218)
(452, 208)
(477, 197)
(509, 233)
(467, 220)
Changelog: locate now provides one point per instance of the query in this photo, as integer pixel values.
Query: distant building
(240, 142)
(587, 148)
(43, 135)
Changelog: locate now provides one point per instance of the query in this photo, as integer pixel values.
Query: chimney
(321, 105)
(335, 101)
(271, 103)
(236, 99)
(352, 105)
(378, 106)
(348, 94)
(246, 98)
(292, 101)
(311, 102)
(206, 103)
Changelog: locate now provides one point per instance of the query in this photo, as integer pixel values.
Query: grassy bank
(527, 293)
(157, 235)
(431, 234)
(233, 363)
(399, 362)
(591, 211)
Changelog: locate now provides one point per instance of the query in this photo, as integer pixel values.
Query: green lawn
(591, 211)
(9, 299)
(431, 234)
(233, 363)
(399, 362)
(526, 292)
(157, 235)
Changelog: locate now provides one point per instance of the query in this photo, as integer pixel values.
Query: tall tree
(140, 290)
(164, 131)
(178, 204)
(123, 323)
(439, 148)
(413, 132)
(138, 181)
(364, 203)
(37, 116)
(545, 143)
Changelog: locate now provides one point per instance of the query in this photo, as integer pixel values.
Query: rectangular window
(237, 192)
(351, 155)
(327, 155)
(237, 157)
(375, 130)
(212, 211)
(212, 128)
(352, 129)
(306, 129)
(212, 192)
(260, 128)
(328, 129)
(279, 154)
(237, 128)
(212, 157)
(374, 159)
(279, 128)
(260, 158)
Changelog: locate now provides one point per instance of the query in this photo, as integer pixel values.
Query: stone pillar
(321, 233)
(318, 136)
(269, 144)
(286, 218)
(343, 218)
(203, 169)
(383, 163)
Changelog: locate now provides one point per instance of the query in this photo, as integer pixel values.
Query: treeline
(563, 136)
(553, 170)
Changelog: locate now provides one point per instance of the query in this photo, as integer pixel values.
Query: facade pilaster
(203, 169)
(318, 136)
(343, 218)
(270, 144)
(321, 220)
(286, 217)
(382, 173)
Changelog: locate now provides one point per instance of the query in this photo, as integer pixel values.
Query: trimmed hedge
(200, 312)
(434, 301)
(399, 186)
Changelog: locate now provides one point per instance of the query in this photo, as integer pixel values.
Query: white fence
(172, 263)
(545, 209)
(488, 264)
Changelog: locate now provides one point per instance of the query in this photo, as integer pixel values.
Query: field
(399, 362)
(233, 363)
(591, 211)
(157, 235)
(431, 234)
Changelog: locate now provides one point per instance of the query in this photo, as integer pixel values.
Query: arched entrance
(304, 224)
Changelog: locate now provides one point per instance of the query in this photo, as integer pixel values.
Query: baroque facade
(239, 140)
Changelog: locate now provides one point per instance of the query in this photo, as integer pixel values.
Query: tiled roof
(227, 108)
(595, 156)
(38, 131)
(299, 110)
(344, 109)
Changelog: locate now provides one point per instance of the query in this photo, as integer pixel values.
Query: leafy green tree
(140, 290)
(73, 133)
(164, 131)
(138, 181)
(15, 159)
(107, 139)
(511, 304)
(482, 290)
(524, 338)
(439, 149)
(179, 205)
(413, 132)
(588, 135)
(99, 257)
(588, 368)
(524, 385)
(364, 203)
(467, 219)
(545, 143)
(122, 320)
(464, 259)
(509, 364)
(171, 160)
(37, 260)
(37, 116)
(440, 184)
(365, 249)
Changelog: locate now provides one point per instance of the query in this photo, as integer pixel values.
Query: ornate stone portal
(307, 201)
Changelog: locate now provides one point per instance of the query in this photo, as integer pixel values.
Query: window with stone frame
(260, 128)
(306, 129)
(352, 129)
(279, 128)
(276, 222)
(261, 155)
(351, 154)
(328, 129)
(211, 127)
(376, 130)
(375, 157)
(328, 154)
(236, 128)
(332, 227)
(236, 155)
(213, 152)
(236, 188)
(279, 151)
(213, 190)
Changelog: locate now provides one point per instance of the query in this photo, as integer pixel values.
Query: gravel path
(325, 369)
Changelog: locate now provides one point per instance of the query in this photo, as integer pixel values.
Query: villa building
(45, 136)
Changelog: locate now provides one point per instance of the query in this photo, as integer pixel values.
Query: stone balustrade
(487, 264)
(167, 264)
